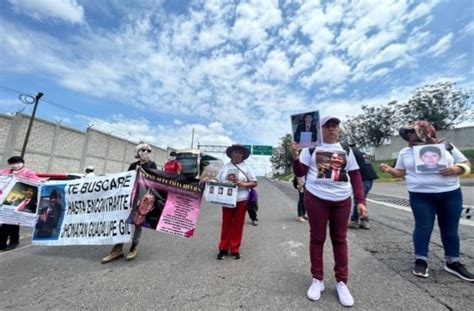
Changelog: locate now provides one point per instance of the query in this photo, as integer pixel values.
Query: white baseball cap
(90, 167)
(326, 119)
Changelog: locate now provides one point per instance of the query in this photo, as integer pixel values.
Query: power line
(76, 113)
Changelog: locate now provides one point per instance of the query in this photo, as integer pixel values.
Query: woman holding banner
(17, 168)
(233, 218)
(143, 156)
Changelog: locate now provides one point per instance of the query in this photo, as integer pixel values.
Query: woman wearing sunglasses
(431, 195)
(143, 156)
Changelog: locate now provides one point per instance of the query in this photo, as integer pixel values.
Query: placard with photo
(305, 129)
(430, 159)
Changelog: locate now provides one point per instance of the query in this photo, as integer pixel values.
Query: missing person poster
(305, 129)
(166, 203)
(221, 193)
(90, 211)
(18, 200)
(430, 158)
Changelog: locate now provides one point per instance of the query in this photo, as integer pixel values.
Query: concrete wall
(55, 148)
(462, 138)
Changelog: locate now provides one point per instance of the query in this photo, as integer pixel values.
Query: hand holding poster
(221, 193)
(85, 211)
(18, 200)
(165, 203)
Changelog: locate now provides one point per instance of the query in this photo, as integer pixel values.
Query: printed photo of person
(147, 209)
(23, 197)
(305, 128)
(211, 189)
(50, 213)
(28, 204)
(430, 158)
(331, 166)
(221, 190)
(229, 191)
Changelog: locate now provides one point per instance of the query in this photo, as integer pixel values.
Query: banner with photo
(306, 130)
(18, 200)
(221, 193)
(166, 203)
(90, 211)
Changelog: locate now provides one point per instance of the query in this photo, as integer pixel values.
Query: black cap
(15, 159)
(173, 153)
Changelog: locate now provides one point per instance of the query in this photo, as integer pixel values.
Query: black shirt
(146, 165)
(365, 168)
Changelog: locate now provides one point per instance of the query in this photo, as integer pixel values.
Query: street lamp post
(27, 136)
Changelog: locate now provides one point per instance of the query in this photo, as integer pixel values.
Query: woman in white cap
(233, 218)
(143, 156)
(332, 175)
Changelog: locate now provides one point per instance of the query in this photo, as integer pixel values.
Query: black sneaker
(460, 270)
(222, 253)
(12, 246)
(236, 256)
(421, 268)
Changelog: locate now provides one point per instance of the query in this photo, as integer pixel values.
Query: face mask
(17, 166)
(143, 155)
(172, 158)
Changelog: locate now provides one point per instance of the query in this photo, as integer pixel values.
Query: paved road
(173, 273)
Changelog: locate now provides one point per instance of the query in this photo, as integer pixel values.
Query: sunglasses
(145, 150)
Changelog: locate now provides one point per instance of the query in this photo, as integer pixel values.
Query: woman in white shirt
(233, 219)
(436, 194)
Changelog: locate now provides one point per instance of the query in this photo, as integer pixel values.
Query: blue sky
(233, 71)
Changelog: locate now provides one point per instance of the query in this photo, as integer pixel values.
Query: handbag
(253, 195)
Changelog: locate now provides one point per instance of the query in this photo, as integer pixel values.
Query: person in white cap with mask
(143, 156)
(89, 171)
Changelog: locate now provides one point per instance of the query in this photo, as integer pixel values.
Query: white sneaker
(314, 291)
(344, 295)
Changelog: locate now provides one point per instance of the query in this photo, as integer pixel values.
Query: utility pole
(192, 139)
(27, 136)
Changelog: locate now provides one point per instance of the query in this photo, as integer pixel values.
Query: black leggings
(9, 231)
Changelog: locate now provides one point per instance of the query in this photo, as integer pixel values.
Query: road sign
(262, 150)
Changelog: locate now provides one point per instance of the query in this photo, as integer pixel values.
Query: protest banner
(91, 211)
(18, 200)
(305, 129)
(221, 193)
(165, 203)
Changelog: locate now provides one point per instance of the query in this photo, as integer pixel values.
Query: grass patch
(284, 177)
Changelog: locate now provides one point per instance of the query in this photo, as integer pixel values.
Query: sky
(234, 71)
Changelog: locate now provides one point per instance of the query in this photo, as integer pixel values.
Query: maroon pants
(320, 212)
(232, 227)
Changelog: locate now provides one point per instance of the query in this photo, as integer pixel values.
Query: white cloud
(67, 10)
(440, 47)
(332, 70)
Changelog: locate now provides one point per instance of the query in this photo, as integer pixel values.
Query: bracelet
(466, 169)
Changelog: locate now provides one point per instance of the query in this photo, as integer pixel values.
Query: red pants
(232, 227)
(320, 212)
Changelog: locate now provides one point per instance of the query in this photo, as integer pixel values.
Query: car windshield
(189, 163)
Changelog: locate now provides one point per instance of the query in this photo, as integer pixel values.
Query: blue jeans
(448, 207)
(367, 186)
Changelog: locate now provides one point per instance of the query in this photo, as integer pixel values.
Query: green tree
(281, 157)
(439, 103)
(370, 128)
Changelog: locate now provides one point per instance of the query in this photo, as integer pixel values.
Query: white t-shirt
(229, 169)
(428, 183)
(327, 176)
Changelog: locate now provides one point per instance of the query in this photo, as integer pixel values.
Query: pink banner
(165, 202)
